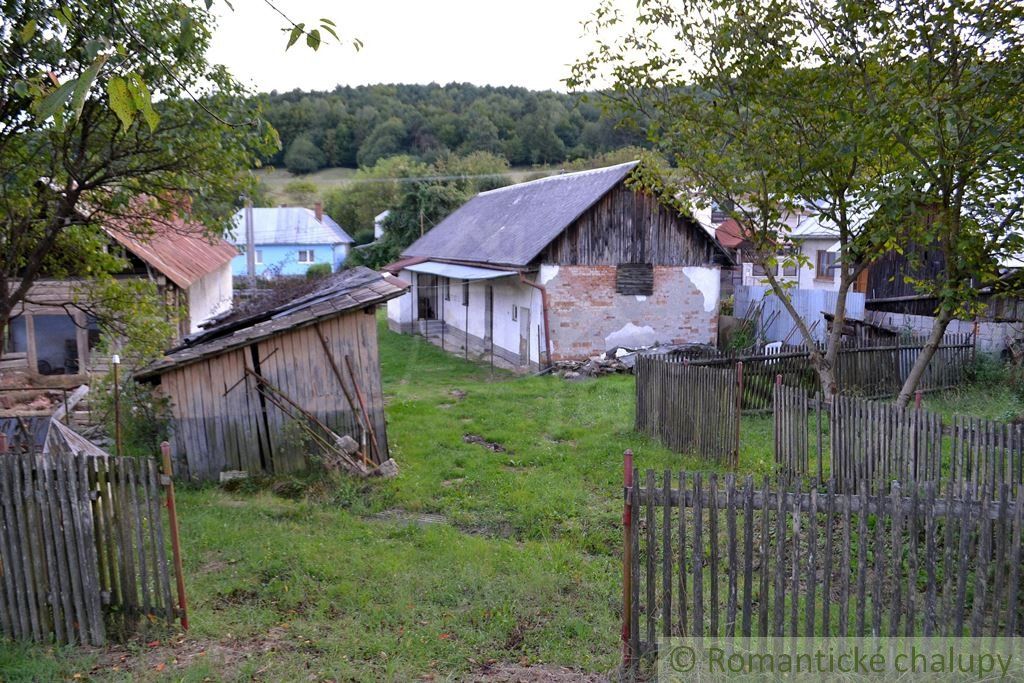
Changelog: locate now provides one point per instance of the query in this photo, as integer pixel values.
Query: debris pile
(621, 359)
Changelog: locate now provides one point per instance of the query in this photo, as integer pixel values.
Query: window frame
(829, 270)
(465, 292)
(312, 256)
(257, 256)
(446, 288)
(515, 312)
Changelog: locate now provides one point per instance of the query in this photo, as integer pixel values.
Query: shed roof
(288, 225)
(350, 290)
(512, 225)
(182, 251)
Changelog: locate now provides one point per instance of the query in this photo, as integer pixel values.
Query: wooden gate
(83, 547)
(690, 409)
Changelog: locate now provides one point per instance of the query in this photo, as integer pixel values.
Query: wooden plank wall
(626, 226)
(216, 429)
(82, 548)
(732, 558)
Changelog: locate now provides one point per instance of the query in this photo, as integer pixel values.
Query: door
(426, 296)
(524, 336)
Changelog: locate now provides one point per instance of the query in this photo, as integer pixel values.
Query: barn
(238, 388)
(561, 268)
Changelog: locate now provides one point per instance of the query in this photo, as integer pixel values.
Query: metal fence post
(3, 444)
(172, 518)
(627, 558)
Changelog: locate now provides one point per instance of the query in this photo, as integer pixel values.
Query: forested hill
(357, 126)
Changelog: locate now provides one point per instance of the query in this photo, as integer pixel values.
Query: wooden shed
(236, 386)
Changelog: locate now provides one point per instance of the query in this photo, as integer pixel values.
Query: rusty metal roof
(353, 289)
(179, 250)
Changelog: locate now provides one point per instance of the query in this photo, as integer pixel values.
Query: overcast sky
(526, 42)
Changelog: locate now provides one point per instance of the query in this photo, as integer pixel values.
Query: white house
(561, 268)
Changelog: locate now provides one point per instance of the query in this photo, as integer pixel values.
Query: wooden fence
(871, 371)
(690, 409)
(879, 442)
(708, 560)
(84, 547)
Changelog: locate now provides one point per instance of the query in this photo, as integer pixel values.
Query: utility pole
(250, 244)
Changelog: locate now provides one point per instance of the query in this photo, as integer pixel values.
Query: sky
(527, 42)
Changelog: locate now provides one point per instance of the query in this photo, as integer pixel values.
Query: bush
(318, 270)
(303, 156)
(145, 415)
(987, 368)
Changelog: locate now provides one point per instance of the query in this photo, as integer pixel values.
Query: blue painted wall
(288, 255)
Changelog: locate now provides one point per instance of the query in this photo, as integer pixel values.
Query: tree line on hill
(358, 126)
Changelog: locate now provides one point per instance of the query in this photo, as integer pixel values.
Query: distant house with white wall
(563, 267)
(810, 235)
(289, 239)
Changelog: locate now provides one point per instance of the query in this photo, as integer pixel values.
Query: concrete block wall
(993, 337)
(587, 316)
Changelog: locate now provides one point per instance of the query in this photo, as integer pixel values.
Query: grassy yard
(499, 542)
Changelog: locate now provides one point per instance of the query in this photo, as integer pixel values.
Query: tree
(846, 107)
(111, 112)
(303, 156)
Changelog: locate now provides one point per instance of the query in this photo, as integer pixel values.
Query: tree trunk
(921, 363)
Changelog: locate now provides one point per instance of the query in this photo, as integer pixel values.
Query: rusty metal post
(918, 395)
(739, 412)
(627, 558)
(3, 444)
(172, 518)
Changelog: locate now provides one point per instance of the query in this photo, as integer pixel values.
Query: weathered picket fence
(872, 370)
(690, 409)
(702, 559)
(84, 548)
(879, 442)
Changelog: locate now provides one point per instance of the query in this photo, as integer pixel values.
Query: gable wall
(626, 226)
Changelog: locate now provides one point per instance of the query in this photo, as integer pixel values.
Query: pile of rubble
(622, 359)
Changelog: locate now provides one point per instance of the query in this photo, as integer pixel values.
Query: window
(446, 287)
(785, 269)
(515, 313)
(306, 256)
(825, 269)
(259, 256)
(465, 292)
(634, 278)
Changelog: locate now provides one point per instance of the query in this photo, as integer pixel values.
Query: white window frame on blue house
(310, 253)
(258, 257)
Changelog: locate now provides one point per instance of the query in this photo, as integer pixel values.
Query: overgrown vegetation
(470, 555)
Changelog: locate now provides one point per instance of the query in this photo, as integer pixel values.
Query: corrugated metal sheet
(288, 225)
(352, 289)
(809, 303)
(180, 251)
(510, 226)
(457, 272)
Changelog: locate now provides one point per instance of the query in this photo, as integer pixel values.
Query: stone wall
(587, 316)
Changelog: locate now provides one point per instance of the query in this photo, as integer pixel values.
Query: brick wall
(588, 317)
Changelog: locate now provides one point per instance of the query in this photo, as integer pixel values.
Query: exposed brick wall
(587, 316)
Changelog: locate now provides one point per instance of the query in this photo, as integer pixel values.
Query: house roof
(288, 225)
(729, 234)
(511, 225)
(396, 266)
(350, 290)
(182, 251)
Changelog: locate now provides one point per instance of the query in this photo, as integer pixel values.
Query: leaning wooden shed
(236, 387)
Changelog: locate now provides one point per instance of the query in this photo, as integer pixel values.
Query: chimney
(318, 209)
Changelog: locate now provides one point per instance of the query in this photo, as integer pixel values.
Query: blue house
(288, 240)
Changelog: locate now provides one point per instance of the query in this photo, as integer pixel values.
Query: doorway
(426, 296)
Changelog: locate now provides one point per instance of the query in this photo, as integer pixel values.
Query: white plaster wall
(210, 296)
(806, 274)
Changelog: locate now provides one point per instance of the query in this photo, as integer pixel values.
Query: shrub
(145, 415)
(303, 156)
(318, 270)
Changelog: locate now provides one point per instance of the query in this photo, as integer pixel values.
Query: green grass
(520, 564)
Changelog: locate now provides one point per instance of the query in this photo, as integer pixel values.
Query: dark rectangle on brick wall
(634, 278)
